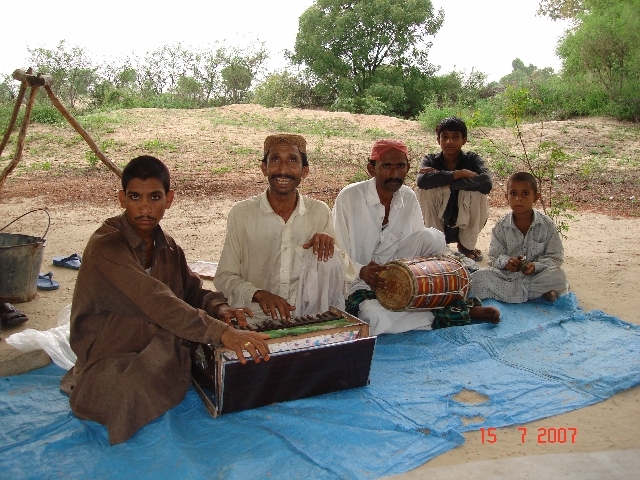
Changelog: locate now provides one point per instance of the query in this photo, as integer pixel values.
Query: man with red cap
(380, 220)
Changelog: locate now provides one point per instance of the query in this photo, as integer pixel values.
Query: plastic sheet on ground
(541, 360)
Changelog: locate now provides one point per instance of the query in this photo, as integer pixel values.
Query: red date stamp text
(544, 435)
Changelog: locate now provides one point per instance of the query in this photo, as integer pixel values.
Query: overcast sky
(482, 34)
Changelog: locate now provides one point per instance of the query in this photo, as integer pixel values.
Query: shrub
(43, 113)
(432, 114)
(284, 89)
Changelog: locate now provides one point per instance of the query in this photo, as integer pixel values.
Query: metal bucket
(20, 261)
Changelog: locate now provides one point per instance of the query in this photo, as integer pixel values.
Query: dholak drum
(423, 283)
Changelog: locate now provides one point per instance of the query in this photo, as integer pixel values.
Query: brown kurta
(131, 330)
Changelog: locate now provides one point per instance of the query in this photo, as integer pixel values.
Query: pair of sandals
(475, 254)
(10, 316)
(46, 281)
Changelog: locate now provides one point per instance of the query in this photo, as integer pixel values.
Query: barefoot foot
(474, 254)
(490, 314)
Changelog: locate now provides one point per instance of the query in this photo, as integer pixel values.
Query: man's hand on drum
(323, 245)
(273, 305)
(371, 275)
(225, 313)
(252, 342)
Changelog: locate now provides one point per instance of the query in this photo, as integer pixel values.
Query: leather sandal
(10, 316)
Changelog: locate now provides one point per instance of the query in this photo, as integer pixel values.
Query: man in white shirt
(379, 220)
(271, 236)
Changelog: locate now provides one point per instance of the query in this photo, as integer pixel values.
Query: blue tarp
(541, 360)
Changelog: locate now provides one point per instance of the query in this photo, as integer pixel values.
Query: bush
(486, 113)
(43, 113)
(284, 90)
(391, 96)
(5, 116)
(368, 105)
(105, 94)
(432, 114)
(628, 107)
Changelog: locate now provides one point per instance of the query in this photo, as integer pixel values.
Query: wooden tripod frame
(35, 81)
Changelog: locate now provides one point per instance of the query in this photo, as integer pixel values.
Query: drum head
(400, 289)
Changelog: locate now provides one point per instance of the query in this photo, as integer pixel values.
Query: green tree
(284, 89)
(162, 68)
(237, 79)
(561, 9)
(345, 43)
(8, 90)
(525, 75)
(605, 45)
(117, 85)
(239, 70)
(189, 91)
(207, 72)
(72, 71)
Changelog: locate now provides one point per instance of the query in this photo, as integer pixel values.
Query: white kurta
(263, 252)
(541, 245)
(357, 218)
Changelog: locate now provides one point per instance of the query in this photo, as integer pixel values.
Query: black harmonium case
(300, 366)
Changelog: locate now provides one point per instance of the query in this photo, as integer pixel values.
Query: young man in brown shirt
(136, 308)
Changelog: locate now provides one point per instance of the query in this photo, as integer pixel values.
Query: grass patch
(592, 166)
(91, 157)
(103, 122)
(622, 133)
(112, 144)
(159, 146)
(502, 167)
(377, 133)
(40, 166)
(239, 150)
(105, 146)
(628, 161)
(360, 176)
(223, 169)
(335, 127)
(43, 136)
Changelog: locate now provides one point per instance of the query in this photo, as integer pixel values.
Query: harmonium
(310, 355)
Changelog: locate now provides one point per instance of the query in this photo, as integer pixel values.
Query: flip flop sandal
(45, 282)
(12, 317)
(72, 261)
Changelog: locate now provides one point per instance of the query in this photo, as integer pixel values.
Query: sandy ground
(602, 264)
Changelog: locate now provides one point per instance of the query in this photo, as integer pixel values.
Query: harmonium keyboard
(310, 355)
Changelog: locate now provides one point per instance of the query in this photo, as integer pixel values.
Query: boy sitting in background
(526, 251)
(453, 187)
